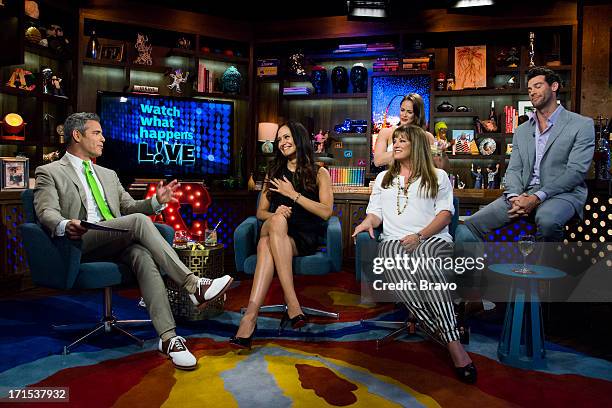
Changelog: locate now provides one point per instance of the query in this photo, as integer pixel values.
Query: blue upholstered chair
(366, 249)
(56, 263)
(327, 259)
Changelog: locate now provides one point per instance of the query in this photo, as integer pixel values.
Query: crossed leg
(275, 250)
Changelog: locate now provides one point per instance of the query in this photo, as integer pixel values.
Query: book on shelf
(347, 176)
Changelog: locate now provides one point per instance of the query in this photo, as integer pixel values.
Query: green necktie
(104, 210)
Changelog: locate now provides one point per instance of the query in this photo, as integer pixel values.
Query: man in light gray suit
(74, 189)
(551, 155)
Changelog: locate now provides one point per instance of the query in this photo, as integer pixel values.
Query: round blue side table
(522, 339)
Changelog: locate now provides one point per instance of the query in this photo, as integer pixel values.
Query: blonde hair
(420, 160)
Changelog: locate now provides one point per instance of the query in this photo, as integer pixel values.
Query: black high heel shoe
(467, 373)
(243, 342)
(297, 322)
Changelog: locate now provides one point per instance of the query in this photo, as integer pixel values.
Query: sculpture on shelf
(183, 43)
(56, 86)
(22, 79)
(487, 146)
(339, 78)
(321, 141)
(49, 157)
(33, 35)
(231, 80)
(478, 176)
(318, 78)
(31, 9)
(531, 49)
(351, 126)
(177, 80)
(144, 50)
(56, 41)
(512, 59)
(492, 171)
(296, 64)
(359, 78)
(47, 73)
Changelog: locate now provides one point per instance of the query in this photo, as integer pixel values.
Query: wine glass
(526, 245)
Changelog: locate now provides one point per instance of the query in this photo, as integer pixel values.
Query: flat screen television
(150, 136)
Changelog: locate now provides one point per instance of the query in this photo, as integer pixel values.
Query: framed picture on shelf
(463, 138)
(15, 173)
(112, 51)
(526, 107)
(471, 67)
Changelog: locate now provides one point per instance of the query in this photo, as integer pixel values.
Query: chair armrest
(53, 262)
(245, 241)
(166, 231)
(334, 243)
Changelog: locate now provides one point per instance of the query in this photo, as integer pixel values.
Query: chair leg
(67, 348)
(108, 323)
(320, 313)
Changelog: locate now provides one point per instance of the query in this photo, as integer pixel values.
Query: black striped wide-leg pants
(434, 308)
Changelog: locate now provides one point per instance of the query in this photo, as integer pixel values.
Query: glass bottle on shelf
(492, 116)
(93, 46)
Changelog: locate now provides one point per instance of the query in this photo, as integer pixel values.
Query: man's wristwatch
(421, 237)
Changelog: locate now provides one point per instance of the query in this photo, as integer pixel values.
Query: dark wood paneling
(436, 20)
(167, 19)
(596, 95)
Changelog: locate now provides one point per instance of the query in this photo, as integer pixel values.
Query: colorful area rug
(328, 363)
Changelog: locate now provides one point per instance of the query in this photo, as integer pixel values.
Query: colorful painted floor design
(326, 364)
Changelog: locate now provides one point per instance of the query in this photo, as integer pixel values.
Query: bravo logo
(167, 153)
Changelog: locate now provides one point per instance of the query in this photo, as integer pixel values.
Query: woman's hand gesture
(283, 186)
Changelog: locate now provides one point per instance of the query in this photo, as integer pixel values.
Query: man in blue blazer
(551, 155)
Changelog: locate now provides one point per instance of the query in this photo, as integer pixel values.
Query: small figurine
(144, 50)
(177, 80)
(491, 173)
(47, 73)
(321, 141)
(512, 59)
(56, 86)
(478, 176)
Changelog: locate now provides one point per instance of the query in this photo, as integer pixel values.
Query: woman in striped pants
(414, 202)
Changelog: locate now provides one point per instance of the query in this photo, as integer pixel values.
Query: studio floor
(327, 363)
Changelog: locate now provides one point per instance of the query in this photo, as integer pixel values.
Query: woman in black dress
(296, 201)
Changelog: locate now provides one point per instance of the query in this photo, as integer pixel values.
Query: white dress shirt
(93, 212)
(419, 212)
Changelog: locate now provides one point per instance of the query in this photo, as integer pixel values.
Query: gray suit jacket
(60, 195)
(567, 158)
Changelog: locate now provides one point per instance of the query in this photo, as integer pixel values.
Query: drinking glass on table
(526, 245)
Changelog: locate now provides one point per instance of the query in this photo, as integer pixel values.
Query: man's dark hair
(77, 121)
(550, 76)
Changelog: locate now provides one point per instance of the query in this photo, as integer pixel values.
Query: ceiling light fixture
(368, 9)
(473, 3)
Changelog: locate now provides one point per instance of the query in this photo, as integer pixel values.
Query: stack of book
(386, 46)
(348, 48)
(511, 115)
(386, 64)
(347, 176)
(297, 90)
(206, 80)
(416, 63)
